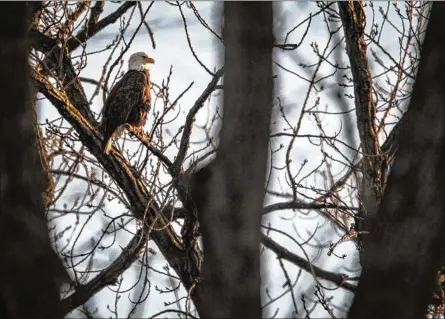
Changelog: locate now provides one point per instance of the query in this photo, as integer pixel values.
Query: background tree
(31, 273)
(229, 192)
(404, 249)
(333, 64)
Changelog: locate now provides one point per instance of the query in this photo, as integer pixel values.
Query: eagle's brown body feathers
(128, 103)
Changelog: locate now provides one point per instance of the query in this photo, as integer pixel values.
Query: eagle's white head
(140, 61)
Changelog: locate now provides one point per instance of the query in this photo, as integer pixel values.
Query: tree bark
(352, 14)
(229, 193)
(405, 248)
(30, 271)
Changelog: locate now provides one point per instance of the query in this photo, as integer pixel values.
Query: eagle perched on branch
(129, 100)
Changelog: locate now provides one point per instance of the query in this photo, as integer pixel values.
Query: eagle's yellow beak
(150, 60)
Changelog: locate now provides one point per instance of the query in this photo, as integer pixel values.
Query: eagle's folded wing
(124, 96)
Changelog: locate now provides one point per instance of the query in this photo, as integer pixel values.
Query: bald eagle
(129, 100)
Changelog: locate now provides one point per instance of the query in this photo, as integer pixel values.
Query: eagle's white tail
(117, 133)
(108, 146)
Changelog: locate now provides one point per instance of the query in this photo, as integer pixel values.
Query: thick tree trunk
(405, 248)
(230, 192)
(30, 271)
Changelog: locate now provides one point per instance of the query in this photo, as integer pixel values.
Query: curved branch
(191, 118)
(301, 205)
(282, 252)
(144, 139)
(109, 275)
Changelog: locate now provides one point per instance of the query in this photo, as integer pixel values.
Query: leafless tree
(331, 148)
(229, 192)
(404, 249)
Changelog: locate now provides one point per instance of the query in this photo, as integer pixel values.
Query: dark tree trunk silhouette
(405, 247)
(30, 271)
(229, 193)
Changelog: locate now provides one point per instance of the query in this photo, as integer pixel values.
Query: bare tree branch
(93, 27)
(109, 275)
(281, 252)
(185, 139)
(374, 162)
